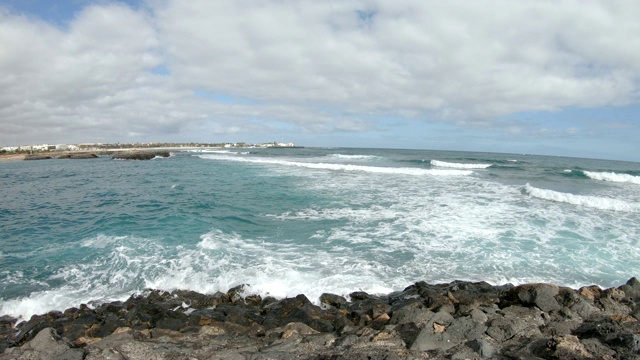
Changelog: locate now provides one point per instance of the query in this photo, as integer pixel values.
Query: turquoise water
(291, 221)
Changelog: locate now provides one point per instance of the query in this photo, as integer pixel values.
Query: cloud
(309, 66)
(466, 62)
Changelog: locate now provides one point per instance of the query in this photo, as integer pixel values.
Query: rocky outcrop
(78, 156)
(459, 320)
(140, 155)
(38, 157)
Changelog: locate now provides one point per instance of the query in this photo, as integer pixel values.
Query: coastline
(11, 157)
(457, 320)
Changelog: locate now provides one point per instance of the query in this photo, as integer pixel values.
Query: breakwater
(457, 320)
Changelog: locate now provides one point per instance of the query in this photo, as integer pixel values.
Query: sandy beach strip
(11, 157)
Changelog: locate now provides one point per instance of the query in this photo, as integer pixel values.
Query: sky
(532, 77)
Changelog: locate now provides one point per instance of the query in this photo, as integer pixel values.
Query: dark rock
(364, 311)
(110, 322)
(434, 298)
(7, 331)
(238, 314)
(37, 323)
(37, 157)
(408, 332)
(540, 295)
(597, 349)
(612, 307)
(336, 301)
(141, 155)
(559, 328)
(45, 345)
(359, 296)
(298, 309)
(598, 328)
(443, 337)
(584, 308)
(474, 320)
(414, 312)
(434, 335)
(79, 326)
(627, 341)
(482, 347)
(197, 300)
(175, 323)
(78, 156)
(519, 321)
(236, 294)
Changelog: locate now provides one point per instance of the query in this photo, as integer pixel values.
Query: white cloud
(466, 62)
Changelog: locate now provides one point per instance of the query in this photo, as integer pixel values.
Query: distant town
(29, 149)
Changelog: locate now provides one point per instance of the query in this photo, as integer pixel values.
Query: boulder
(44, 346)
(540, 295)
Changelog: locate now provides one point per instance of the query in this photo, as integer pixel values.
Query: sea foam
(346, 167)
(614, 177)
(354, 157)
(597, 202)
(445, 164)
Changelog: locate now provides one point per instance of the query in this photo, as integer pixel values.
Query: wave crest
(354, 157)
(439, 163)
(613, 177)
(596, 202)
(347, 167)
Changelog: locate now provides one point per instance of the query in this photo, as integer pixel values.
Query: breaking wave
(613, 177)
(346, 167)
(439, 163)
(354, 157)
(596, 202)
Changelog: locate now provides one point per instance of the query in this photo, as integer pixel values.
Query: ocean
(290, 221)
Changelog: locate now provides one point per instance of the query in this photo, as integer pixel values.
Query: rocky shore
(459, 320)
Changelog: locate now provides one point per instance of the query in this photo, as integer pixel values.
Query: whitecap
(614, 177)
(597, 202)
(347, 167)
(439, 163)
(354, 157)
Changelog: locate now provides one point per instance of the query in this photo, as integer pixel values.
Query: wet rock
(26, 331)
(298, 309)
(7, 331)
(196, 300)
(79, 326)
(78, 156)
(336, 301)
(141, 155)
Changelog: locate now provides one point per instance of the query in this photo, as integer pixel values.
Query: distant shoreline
(18, 157)
(22, 156)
